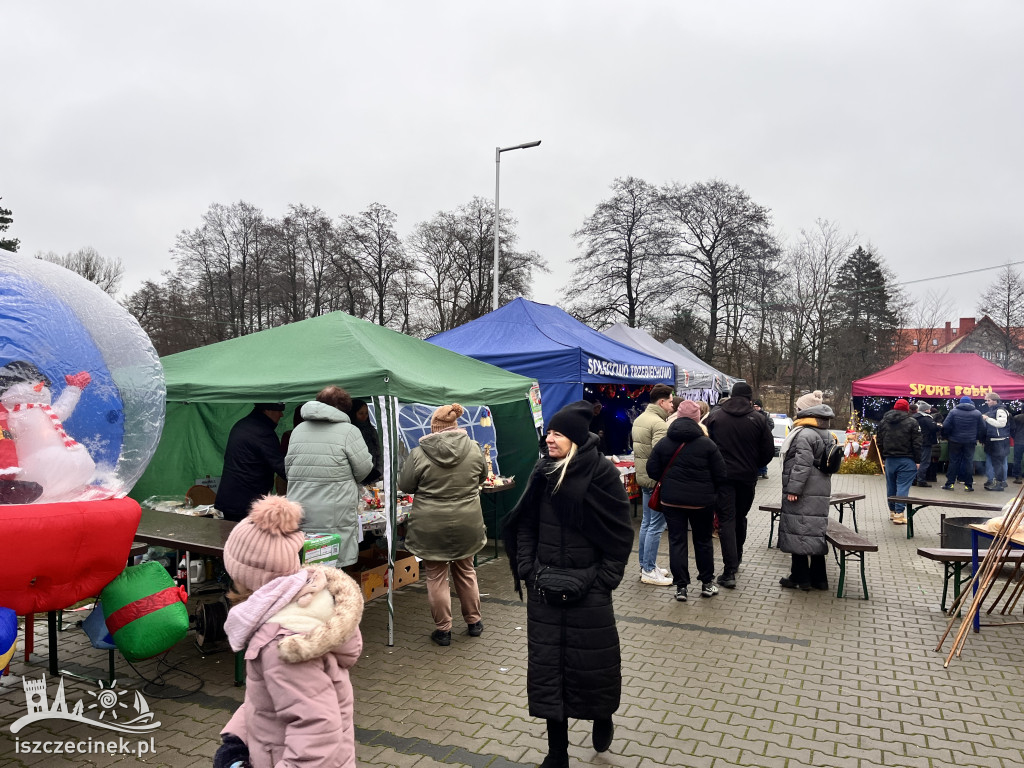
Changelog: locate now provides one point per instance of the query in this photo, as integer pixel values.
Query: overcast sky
(901, 121)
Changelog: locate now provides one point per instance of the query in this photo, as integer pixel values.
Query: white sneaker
(663, 571)
(656, 578)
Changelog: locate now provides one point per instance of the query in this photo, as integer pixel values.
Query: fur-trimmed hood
(307, 626)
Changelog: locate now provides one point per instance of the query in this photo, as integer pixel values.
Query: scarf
(68, 441)
(579, 503)
(797, 426)
(8, 454)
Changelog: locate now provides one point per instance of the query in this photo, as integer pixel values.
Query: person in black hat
(252, 457)
(744, 437)
(571, 522)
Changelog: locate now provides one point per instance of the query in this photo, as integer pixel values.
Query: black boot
(558, 745)
(604, 729)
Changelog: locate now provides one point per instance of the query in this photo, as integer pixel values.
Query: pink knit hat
(266, 544)
(446, 417)
(688, 409)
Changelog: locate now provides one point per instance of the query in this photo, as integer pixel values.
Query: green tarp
(210, 388)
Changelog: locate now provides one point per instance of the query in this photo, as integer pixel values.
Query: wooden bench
(915, 504)
(953, 562)
(837, 500)
(848, 544)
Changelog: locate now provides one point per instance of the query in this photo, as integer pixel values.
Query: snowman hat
(20, 371)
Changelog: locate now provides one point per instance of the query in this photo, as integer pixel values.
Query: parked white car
(781, 426)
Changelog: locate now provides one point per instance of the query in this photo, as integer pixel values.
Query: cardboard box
(371, 571)
(322, 549)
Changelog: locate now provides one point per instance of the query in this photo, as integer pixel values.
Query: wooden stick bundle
(982, 581)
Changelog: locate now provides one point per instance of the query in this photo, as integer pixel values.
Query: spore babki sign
(616, 370)
(975, 391)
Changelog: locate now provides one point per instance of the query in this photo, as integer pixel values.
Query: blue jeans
(961, 464)
(651, 528)
(900, 471)
(995, 460)
(926, 463)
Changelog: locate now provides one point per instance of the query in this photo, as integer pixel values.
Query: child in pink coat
(299, 627)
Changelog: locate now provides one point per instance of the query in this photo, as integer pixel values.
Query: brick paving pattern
(757, 676)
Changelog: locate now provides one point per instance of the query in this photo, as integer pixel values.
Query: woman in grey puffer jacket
(326, 460)
(805, 495)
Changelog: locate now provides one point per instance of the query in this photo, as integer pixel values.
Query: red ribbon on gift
(145, 606)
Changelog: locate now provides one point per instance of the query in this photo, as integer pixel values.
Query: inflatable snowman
(46, 455)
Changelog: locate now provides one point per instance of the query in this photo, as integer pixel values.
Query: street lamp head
(527, 145)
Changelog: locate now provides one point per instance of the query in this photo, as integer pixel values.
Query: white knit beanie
(809, 400)
(266, 544)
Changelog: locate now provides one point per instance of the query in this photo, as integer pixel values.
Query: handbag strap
(670, 461)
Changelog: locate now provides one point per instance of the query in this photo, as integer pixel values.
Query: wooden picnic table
(915, 504)
(837, 500)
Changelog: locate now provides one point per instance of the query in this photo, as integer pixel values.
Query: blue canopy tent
(551, 346)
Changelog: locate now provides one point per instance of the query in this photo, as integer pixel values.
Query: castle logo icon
(107, 708)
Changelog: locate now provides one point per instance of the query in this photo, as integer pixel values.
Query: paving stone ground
(756, 676)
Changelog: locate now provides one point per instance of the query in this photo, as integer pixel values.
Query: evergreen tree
(866, 305)
(6, 219)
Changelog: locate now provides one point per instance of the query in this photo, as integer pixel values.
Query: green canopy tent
(210, 388)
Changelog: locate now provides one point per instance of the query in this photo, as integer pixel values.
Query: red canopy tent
(923, 376)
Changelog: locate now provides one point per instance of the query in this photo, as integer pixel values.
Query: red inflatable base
(57, 554)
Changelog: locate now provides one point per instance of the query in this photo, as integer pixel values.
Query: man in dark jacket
(252, 457)
(961, 428)
(899, 442)
(921, 412)
(744, 437)
(1018, 447)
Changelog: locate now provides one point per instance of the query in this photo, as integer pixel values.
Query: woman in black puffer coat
(574, 515)
(689, 495)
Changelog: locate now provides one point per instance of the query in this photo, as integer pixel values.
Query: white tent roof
(722, 381)
(691, 372)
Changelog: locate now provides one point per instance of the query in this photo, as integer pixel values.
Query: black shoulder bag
(563, 586)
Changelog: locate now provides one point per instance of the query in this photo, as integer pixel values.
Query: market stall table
(488, 492)
(627, 473)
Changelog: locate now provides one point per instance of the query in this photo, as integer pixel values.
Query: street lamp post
(497, 183)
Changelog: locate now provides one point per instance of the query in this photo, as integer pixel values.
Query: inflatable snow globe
(81, 388)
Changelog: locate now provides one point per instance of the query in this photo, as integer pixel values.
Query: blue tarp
(550, 345)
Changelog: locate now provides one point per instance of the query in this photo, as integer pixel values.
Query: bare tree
(454, 254)
(378, 253)
(926, 314)
(718, 230)
(621, 274)
(823, 251)
(795, 311)
(87, 262)
(1002, 302)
